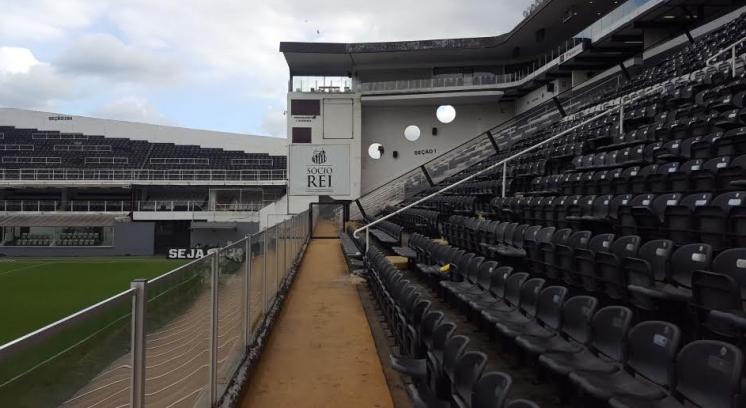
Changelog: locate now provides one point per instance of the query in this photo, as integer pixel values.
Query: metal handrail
(503, 163)
(15, 346)
(40, 174)
(733, 58)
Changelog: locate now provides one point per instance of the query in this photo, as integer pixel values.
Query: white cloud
(274, 122)
(105, 56)
(46, 20)
(16, 60)
(133, 109)
(27, 83)
(142, 47)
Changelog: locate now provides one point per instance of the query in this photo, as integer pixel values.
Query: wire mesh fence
(176, 340)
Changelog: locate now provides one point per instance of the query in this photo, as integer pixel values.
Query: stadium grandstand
(551, 217)
(107, 187)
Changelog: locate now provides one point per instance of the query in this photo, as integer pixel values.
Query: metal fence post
(621, 116)
(505, 177)
(277, 257)
(733, 60)
(246, 301)
(367, 242)
(213, 369)
(137, 386)
(264, 274)
(287, 243)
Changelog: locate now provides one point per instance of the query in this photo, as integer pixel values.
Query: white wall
(385, 125)
(278, 211)
(336, 128)
(141, 131)
(541, 95)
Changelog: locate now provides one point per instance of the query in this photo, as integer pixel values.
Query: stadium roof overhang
(670, 18)
(555, 20)
(433, 98)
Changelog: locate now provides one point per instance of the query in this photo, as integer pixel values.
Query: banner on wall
(319, 169)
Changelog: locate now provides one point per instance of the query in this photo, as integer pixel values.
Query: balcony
(123, 177)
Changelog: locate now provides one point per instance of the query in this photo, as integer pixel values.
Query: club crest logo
(319, 156)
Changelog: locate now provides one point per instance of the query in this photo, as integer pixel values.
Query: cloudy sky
(211, 64)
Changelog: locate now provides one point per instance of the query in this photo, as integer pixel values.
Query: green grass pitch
(36, 292)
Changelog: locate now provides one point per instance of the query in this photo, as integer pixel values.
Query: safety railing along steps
(623, 101)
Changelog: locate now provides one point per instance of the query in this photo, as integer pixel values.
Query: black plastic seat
(521, 403)
(440, 368)
(705, 179)
(466, 372)
(527, 299)
(585, 261)
(649, 220)
(574, 333)
(479, 286)
(650, 354)
(496, 290)
(638, 183)
(491, 390)
(650, 266)
(437, 343)
(548, 252)
(609, 266)
(564, 255)
(733, 176)
(719, 295)
(708, 375)
(712, 220)
(509, 301)
(535, 255)
(606, 349)
(678, 220)
(680, 180)
(626, 221)
(547, 315)
(677, 288)
(413, 363)
(620, 184)
(658, 182)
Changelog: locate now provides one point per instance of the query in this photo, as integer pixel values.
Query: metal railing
(525, 72)
(142, 175)
(504, 162)
(733, 58)
(123, 206)
(177, 339)
(479, 148)
(621, 15)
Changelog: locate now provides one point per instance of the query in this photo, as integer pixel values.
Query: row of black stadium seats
(136, 152)
(386, 232)
(444, 373)
(415, 219)
(719, 221)
(620, 270)
(569, 337)
(717, 174)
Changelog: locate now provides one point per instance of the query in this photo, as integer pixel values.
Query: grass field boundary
(23, 342)
(67, 360)
(23, 268)
(47, 360)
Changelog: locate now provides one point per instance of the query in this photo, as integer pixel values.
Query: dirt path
(321, 352)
